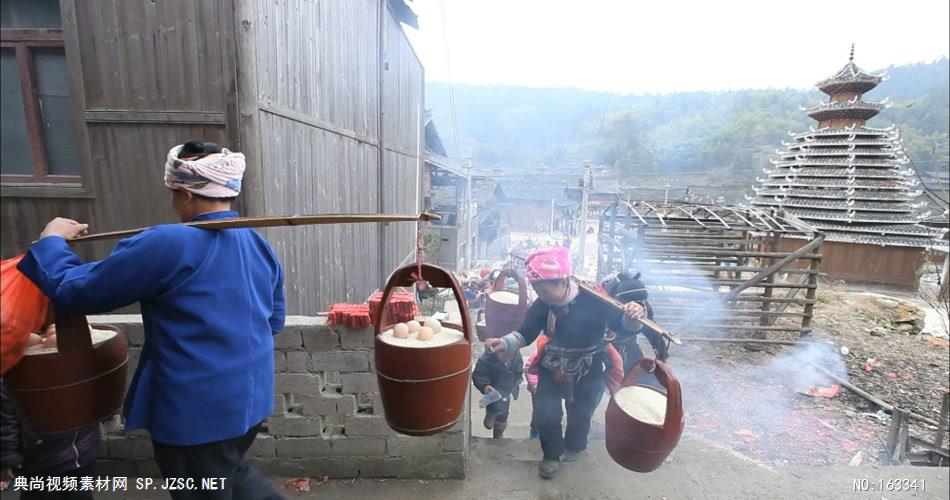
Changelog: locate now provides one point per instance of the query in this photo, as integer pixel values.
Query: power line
(448, 75)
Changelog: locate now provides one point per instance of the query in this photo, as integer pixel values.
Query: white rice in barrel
(642, 403)
(504, 297)
(444, 337)
(98, 337)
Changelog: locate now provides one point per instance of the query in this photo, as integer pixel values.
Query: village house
(453, 239)
(324, 98)
(494, 237)
(531, 207)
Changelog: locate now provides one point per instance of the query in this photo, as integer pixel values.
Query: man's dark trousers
(220, 459)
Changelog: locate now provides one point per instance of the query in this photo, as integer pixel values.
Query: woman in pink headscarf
(571, 370)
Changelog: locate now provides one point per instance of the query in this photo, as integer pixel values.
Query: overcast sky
(638, 47)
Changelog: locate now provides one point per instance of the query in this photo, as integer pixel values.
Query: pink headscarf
(548, 264)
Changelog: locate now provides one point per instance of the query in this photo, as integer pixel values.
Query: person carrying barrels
(211, 302)
(572, 363)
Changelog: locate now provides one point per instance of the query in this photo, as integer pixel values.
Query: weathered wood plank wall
(295, 84)
(143, 76)
(403, 129)
(873, 264)
(318, 100)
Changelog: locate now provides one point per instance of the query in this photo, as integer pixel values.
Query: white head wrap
(217, 175)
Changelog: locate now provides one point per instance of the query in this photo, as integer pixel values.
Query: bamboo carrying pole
(652, 325)
(275, 221)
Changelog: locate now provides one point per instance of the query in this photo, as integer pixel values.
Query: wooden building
(494, 238)
(446, 191)
(531, 207)
(852, 182)
(324, 98)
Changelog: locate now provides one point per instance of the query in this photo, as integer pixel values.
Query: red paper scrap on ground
(824, 392)
(747, 435)
(870, 364)
(849, 446)
(298, 484)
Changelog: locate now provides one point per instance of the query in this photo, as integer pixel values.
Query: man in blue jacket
(211, 301)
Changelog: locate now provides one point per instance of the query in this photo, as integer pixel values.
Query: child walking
(500, 373)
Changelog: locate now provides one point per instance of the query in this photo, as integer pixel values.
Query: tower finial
(851, 57)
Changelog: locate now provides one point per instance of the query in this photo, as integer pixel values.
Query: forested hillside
(517, 128)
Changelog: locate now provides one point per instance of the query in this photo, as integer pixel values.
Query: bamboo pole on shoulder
(273, 221)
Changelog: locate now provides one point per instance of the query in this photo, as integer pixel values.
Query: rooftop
(840, 194)
(534, 192)
(849, 79)
(854, 109)
(843, 172)
(845, 205)
(849, 132)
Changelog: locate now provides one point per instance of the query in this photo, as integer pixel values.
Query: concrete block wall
(327, 421)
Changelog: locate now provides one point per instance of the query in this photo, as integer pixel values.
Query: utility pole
(585, 194)
(551, 232)
(943, 296)
(469, 217)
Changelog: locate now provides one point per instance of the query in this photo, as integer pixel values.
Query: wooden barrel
(78, 385)
(502, 315)
(423, 389)
(636, 444)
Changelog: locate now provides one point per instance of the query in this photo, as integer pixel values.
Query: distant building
(853, 183)
(445, 183)
(535, 208)
(493, 234)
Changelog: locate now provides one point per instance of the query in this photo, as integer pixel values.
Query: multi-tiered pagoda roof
(847, 179)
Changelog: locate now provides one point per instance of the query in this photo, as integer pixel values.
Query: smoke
(798, 371)
(760, 404)
(756, 404)
(684, 296)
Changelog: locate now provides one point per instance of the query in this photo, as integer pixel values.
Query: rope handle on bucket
(437, 277)
(420, 247)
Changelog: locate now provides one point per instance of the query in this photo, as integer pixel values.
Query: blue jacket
(210, 300)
